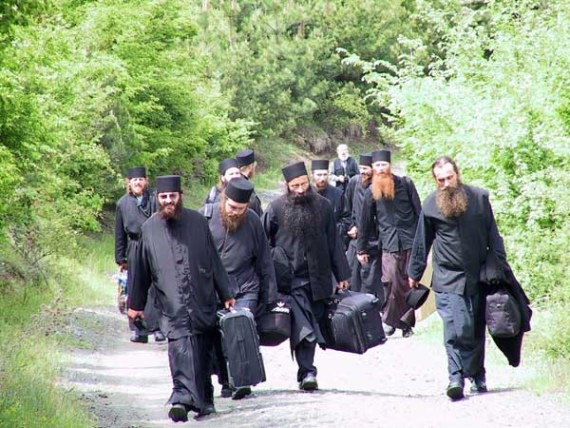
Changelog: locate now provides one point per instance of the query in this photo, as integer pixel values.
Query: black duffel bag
(502, 314)
(274, 324)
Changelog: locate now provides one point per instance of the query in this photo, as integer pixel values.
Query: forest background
(91, 87)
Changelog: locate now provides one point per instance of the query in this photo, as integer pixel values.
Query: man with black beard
(458, 221)
(229, 169)
(133, 209)
(390, 209)
(320, 169)
(247, 167)
(178, 256)
(241, 242)
(365, 278)
(302, 224)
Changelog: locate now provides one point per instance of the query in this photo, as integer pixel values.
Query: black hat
(227, 164)
(245, 157)
(366, 159)
(381, 156)
(319, 164)
(416, 297)
(168, 183)
(136, 172)
(239, 190)
(294, 170)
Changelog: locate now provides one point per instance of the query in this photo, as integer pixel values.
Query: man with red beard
(320, 169)
(178, 256)
(391, 209)
(229, 169)
(458, 221)
(241, 242)
(365, 278)
(301, 224)
(133, 209)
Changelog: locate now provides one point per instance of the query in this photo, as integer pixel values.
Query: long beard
(383, 186)
(452, 201)
(231, 222)
(301, 215)
(170, 211)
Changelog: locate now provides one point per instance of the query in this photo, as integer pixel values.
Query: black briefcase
(352, 322)
(240, 344)
(274, 324)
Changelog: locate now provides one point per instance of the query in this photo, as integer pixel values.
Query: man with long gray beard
(241, 242)
(390, 209)
(177, 255)
(458, 221)
(301, 223)
(365, 278)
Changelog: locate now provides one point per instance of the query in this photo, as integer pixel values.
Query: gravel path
(399, 384)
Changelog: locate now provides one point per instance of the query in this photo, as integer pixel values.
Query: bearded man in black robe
(133, 209)
(390, 209)
(241, 242)
(178, 256)
(247, 166)
(335, 196)
(301, 223)
(458, 221)
(365, 278)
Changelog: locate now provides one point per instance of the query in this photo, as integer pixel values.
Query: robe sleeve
(221, 277)
(141, 278)
(339, 264)
(425, 234)
(348, 200)
(495, 240)
(414, 198)
(264, 266)
(255, 204)
(344, 220)
(269, 222)
(367, 222)
(120, 237)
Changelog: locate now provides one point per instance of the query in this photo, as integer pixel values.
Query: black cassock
(313, 262)
(130, 215)
(180, 259)
(335, 196)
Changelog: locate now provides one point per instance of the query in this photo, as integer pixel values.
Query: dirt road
(399, 384)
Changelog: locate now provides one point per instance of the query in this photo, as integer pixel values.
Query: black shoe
(455, 390)
(389, 330)
(478, 386)
(226, 391)
(309, 383)
(407, 332)
(207, 410)
(178, 413)
(139, 338)
(241, 392)
(159, 336)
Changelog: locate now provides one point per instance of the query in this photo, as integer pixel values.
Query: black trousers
(190, 359)
(464, 333)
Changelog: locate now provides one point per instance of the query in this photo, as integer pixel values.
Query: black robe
(348, 172)
(246, 256)
(341, 214)
(179, 257)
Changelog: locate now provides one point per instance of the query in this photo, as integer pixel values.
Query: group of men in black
(366, 229)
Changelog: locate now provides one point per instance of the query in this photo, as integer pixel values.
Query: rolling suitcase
(352, 322)
(240, 345)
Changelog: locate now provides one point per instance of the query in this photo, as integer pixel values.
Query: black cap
(168, 183)
(136, 172)
(227, 164)
(320, 164)
(245, 157)
(294, 170)
(366, 159)
(416, 297)
(381, 156)
(239, 190)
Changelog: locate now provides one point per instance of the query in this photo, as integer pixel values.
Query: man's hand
(133, 314)
(413, 283)
(352, 232)
(122, 267)
(342, 285)
(341, 178)
(230, 303)
(362, 259)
